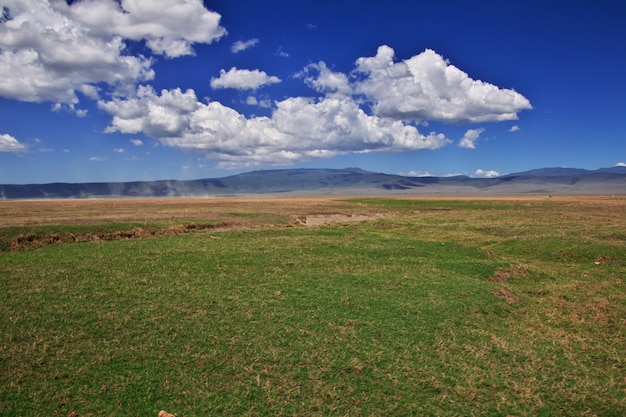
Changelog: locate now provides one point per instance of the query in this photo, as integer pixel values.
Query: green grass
(481, 312)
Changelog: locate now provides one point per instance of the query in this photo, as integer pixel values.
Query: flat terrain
(94, 211)
(446, 306)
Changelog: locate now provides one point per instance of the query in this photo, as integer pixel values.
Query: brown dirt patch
(506, 295)
(313, 220)
(506, 274)
(32, 240)
(602, 260)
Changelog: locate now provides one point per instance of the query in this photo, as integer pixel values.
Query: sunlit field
(314, 306)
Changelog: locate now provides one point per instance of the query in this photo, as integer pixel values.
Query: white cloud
(169, 27)
(487, 174)
(9, 144)
(416, 174)
(70, 108)
(97, 159)
(470, 137)
(282, 53)
(52, 51)
(427, 87)
(242, 46)
(119, 150)
(243, 79)
(340, 123)
(166, 115)
(90, 91)
(299, 128)
(514, 128)
(49, 50)
(421, 88)
(326, 81)
(621, 164)
(253, 101)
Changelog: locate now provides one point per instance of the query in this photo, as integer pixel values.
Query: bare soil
(313, 220)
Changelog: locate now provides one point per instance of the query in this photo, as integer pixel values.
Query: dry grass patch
(98, 211)
(508, 273)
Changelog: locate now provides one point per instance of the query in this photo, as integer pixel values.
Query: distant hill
(550, 172)
(563, 172)
(349, 181)
(612, 170)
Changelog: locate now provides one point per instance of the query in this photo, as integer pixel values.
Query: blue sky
(105, 90)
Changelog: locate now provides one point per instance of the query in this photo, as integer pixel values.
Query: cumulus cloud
(243, 45)
(9, 144)
(50, 50)
(54, 51)
(514, 128)
(470, 137)
(169, 27)
(396, 95)
(325, 80)
(427, 87)
(166, 115)
(621, 164)
(298, 129)
(242, 79)
(487, 174)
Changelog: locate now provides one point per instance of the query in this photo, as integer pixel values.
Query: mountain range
(349, 181)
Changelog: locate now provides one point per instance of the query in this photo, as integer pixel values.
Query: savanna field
(500, 306)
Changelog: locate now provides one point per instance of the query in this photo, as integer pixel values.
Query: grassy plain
(447, 306)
